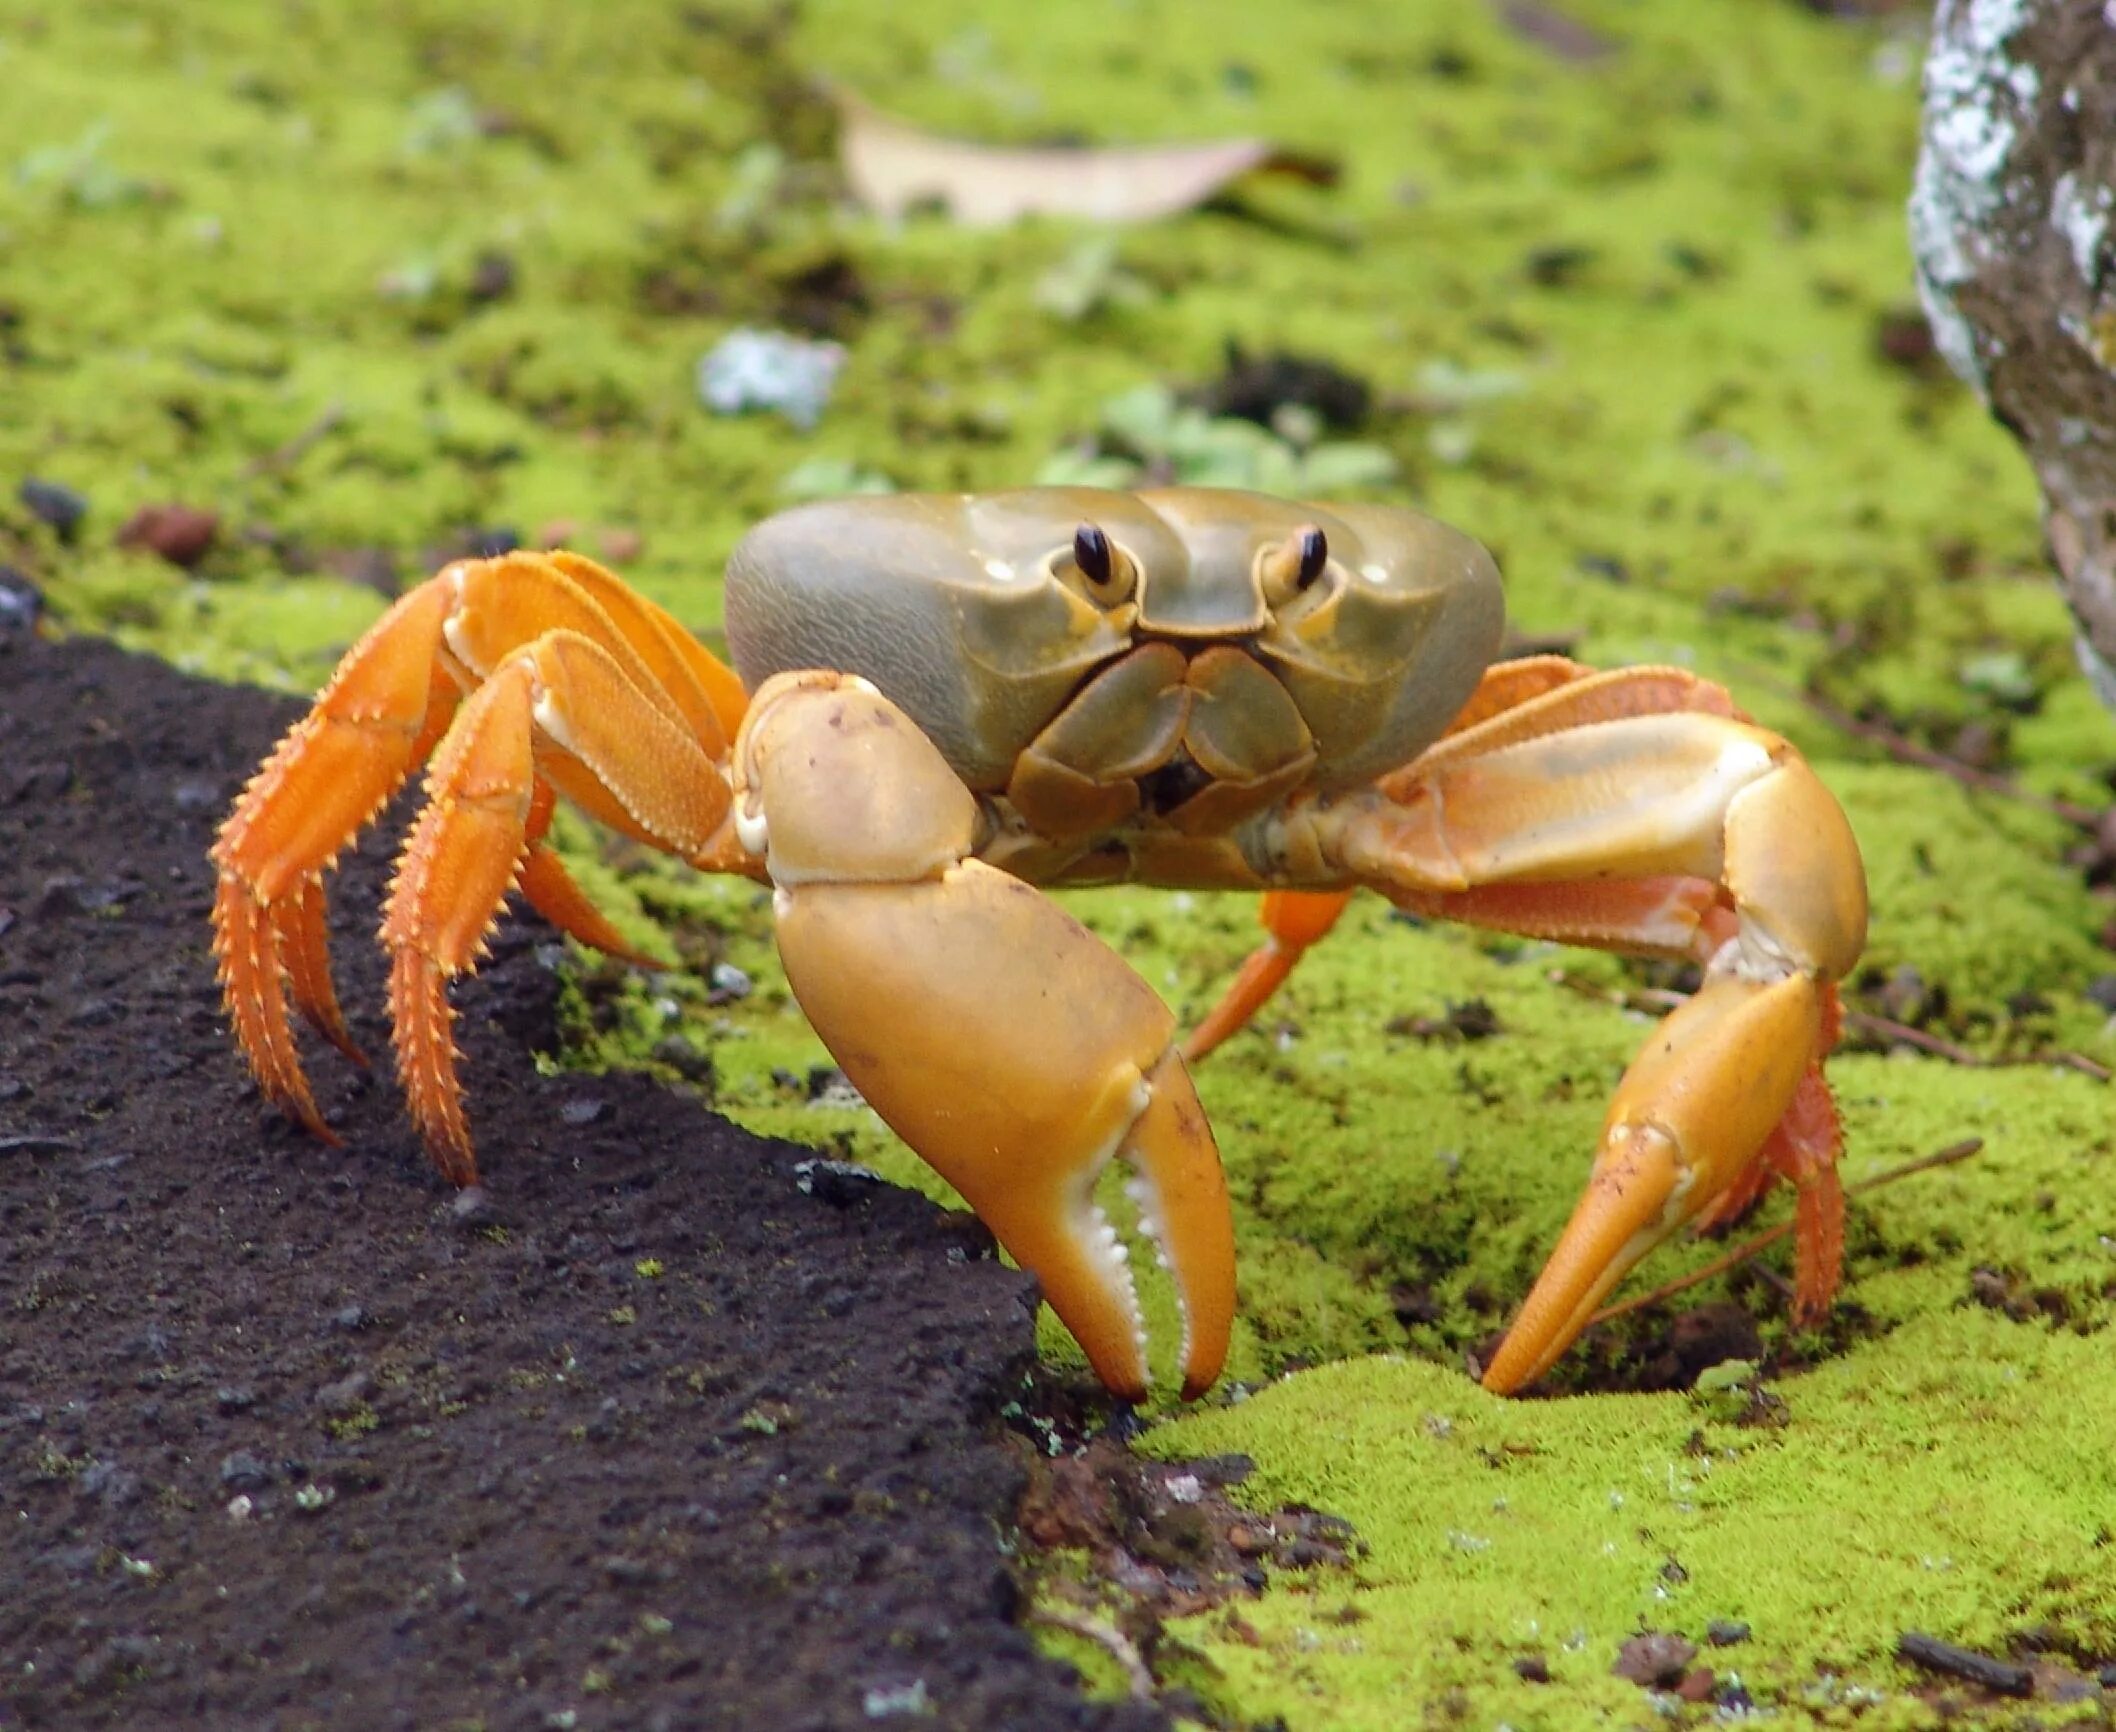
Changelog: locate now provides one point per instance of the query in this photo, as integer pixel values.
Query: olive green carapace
(1628, 307)
(951, 602)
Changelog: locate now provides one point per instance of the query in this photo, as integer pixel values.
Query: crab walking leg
(384, 710)
(1014, 1051)
(1671, 796)
(472, 839)
(548, 887)
(1294, 920)
(330, 774)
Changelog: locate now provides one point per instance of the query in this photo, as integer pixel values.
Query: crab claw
(1013, 1050)
(1687, 1124)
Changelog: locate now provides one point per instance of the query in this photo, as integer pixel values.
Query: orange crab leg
(386, 707)
(548, 887)
(1013, 1050)
(471, 840)
(1293, 920)
(1508, 704)
(332, 772)
(1661, 830)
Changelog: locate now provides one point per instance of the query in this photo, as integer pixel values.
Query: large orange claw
(1635, 811)
(1013, 1050)
(1685, 1130)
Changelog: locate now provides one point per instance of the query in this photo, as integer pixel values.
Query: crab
(941, 702)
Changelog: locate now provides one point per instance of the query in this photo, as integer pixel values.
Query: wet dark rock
(21, 600)
(1657, 1660)
(242, 1471)
(59, 508)
(1256, 387)
(222, 1232)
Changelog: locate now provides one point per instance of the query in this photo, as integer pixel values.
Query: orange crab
(945, 700)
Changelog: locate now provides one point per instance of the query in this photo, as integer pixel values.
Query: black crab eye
(1091, 553)
(1293, 567)
(1314, 555)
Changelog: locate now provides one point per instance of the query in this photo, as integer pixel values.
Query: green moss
(1621, 319)
(1503, 1529)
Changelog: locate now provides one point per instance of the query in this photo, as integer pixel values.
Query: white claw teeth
(1154, 1224)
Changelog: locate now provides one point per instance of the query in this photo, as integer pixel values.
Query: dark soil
(642, 1435)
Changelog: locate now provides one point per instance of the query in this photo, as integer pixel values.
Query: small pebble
(233, 1398)
(584, 1110)
(1726, 1633)
(21, 601)
(470, 1208)
(181, 534)
(492, 277)
(352, 1317)
(344, 1395)
(1657, 1660)
(242, 1471)
(61, 508)
(752, 369)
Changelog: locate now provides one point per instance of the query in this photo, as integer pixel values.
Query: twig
(2001, 1676)
(1903, 1034)
(1863, 1021)
(1107, 1636)
(298, 447)
(1748, 1248)
(1905, 750)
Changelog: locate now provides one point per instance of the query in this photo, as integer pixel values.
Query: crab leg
(1007, 1045)
(384, 710)
(1631, 832)
(1293, 920)
(472, 838)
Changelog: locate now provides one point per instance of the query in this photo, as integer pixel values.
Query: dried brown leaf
(894, 167)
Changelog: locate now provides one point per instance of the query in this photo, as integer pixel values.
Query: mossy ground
(1624, 316)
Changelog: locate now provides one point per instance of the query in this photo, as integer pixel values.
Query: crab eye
(1295, 565)
(1106, 571)
(1314, 555)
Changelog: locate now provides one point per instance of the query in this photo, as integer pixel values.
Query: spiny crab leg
(1592, 817)
(471, 839)
(1007, 1045)
(385, 708)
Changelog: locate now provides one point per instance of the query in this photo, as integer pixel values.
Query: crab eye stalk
(1295, 565)
(1106, 572)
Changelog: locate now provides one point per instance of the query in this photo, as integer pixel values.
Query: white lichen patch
(1974, 99)
(2081, 215)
